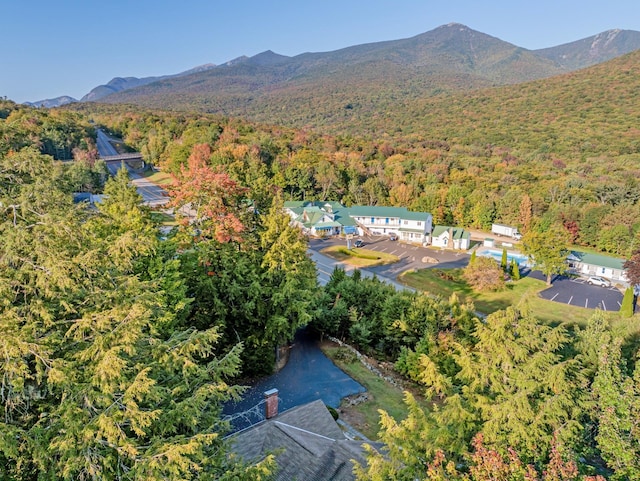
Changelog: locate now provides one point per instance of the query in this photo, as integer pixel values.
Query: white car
(598, 281)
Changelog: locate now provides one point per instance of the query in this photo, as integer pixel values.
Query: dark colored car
(358, 243)
(393, 236)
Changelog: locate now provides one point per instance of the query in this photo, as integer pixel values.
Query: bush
(484, 274)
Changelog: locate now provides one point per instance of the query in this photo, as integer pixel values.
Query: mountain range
(114, 85)
(323, 88)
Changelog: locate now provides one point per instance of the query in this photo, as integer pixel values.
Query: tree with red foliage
(208, 200)
(632, 268)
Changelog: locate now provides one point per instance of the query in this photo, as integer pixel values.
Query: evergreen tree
(503, 261)
(289, 274)
(618, 412)
(515, 270)
(96, 383)
(627, 307)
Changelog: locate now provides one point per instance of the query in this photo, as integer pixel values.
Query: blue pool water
(521, 259)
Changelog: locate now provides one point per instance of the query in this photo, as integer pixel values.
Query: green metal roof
(327, 225)
(598, 260)
(345, 220)
(292, 204)
(458, 233)
(334, 206)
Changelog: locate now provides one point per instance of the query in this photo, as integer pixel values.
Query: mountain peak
(268, 57)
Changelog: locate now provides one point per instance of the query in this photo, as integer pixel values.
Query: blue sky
(66, 47)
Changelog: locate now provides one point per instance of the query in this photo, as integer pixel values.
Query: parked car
(598, 281)
(393, 236)
(358, 243)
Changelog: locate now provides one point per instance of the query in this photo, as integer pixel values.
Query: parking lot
(575, 292)
(411, 256)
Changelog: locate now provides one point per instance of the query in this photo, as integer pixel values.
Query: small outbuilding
(450, 237)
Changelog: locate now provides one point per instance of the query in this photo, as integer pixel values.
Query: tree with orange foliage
(208, 200)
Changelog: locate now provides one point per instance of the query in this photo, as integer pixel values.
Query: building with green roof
(332, 218)
(448, 237)
(585, 263)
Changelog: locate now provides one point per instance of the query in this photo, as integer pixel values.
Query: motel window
(406, 222)
(419, 222)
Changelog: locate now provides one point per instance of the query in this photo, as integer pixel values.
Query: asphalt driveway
(308, 375)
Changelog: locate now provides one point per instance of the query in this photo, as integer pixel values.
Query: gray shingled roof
(307, 443)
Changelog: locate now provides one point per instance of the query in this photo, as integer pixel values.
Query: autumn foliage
(208, 199)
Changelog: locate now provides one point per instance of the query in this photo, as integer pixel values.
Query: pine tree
(515, 270)
(97, 383)
(618, 412)
(627, 307)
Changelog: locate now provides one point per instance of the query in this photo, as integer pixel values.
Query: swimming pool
(520, 259)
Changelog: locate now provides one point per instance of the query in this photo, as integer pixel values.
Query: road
(104, 146)
(411, 257)
(564, 290)
(152, 194)
(325, 266)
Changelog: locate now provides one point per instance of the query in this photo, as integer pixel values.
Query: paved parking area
(575, 292)
(411, 256)
(578, 293)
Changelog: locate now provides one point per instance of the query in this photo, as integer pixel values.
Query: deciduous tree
(548, 250)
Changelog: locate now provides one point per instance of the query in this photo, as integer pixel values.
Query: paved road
(326, 265)
(104, 146)
(308, 375)
(564, 290)
(152, 194)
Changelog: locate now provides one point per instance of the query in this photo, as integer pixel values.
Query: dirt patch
(351, 416)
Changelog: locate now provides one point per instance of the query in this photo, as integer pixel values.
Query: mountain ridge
(450, 57)
(332, 88)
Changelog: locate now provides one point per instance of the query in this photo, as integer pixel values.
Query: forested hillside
(564, 150)
(368, 89)
(123, 343)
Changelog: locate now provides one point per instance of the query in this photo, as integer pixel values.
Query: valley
(129, 343)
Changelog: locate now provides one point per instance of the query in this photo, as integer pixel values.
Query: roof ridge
(304, 431)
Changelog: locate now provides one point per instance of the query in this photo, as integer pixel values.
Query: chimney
(271, 406)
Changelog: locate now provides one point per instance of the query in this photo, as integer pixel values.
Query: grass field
(359, 257)
(382, 395)
(445, 282)
(159, 178)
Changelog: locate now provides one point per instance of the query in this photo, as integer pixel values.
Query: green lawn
(159, 178)
(382, 395)
(359, 257)
(445, 282)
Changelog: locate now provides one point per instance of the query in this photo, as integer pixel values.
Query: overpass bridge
(127, 158)
(133, 160)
